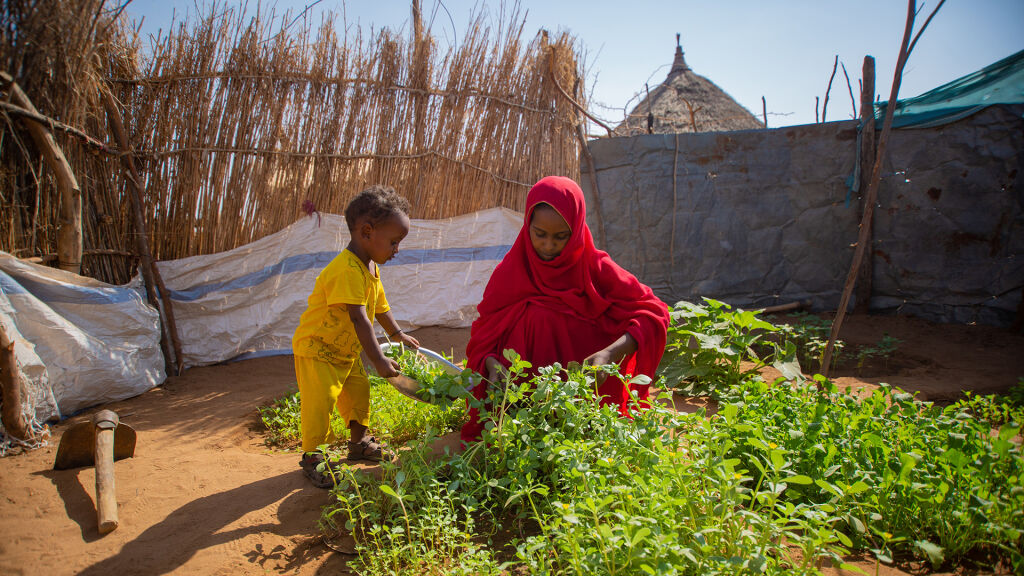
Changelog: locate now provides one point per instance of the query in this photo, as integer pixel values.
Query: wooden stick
(867, 162)
(55, 125)
(11, 390)
(872, 193)
(101, 252)
(785, 307)
(575, 104)
(824, 105)
(69, 236)
(142, 237)
(105, 422)
(593, 186)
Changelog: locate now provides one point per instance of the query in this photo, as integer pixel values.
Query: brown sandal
(321, 472)
(366, 449)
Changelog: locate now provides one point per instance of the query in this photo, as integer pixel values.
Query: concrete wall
(763, 217)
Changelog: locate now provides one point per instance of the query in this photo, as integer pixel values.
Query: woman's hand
(613, 354)
(495, 371)
(408, 340)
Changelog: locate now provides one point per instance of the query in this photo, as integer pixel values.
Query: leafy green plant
(711, 347)
(810, 334)
(883, 349)
(896, 475)
(996, 409)
(576, 489)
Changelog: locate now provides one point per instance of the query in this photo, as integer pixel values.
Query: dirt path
(204, 496)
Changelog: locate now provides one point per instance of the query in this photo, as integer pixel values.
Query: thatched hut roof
(683, 100)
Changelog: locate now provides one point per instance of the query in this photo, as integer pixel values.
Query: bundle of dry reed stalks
(239, 127)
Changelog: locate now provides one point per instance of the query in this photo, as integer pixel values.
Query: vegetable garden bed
(788, 476)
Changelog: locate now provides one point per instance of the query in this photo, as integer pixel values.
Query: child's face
(549, 233)
(381, 241)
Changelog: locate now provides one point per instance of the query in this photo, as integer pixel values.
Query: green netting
(999, 83)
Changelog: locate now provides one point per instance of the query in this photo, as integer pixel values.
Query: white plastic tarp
(247, 301)
(78, 341)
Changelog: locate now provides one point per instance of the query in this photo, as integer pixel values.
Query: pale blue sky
(782, 49)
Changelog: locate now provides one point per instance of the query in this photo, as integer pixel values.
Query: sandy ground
(203, 495)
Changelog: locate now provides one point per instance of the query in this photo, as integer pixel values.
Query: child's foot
(320, 471)
(366, 449)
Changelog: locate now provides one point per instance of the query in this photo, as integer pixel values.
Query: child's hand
(388, 368)
(408, 340)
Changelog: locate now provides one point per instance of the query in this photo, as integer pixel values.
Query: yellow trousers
(323, 387)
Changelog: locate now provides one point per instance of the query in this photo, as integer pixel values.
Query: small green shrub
(708, 344)
(810, 334)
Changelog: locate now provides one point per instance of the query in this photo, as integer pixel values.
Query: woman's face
(549, 233)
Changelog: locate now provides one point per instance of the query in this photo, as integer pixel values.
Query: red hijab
(581, 281)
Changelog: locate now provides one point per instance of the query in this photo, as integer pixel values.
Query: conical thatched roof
(685, 99)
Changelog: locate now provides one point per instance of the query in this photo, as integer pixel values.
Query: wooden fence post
(69, 236)
(150, 275)
(867, 163)
(11, 390)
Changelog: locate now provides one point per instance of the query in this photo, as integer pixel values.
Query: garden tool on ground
(99, 442)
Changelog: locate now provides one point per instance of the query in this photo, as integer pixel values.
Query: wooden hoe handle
(106, 495)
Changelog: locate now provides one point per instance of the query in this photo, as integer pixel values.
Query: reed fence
(239, 127)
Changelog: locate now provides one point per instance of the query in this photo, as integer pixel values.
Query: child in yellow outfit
(338, 324)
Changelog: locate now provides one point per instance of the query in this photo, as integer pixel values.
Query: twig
(849, 86)
(926, 22)
(575, 104)
(824, 106)
(56, 125)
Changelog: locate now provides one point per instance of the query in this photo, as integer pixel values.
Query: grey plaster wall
(763, 217)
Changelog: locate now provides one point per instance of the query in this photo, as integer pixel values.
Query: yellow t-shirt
(325, 331)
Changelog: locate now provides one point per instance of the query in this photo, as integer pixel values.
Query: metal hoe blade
(77, 446)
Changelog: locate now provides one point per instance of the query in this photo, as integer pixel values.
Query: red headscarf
(582, 281)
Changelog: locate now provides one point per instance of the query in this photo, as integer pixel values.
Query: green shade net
(999, 83)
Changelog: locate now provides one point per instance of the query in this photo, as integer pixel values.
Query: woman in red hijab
(556, 298)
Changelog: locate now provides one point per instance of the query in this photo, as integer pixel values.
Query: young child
(338, 324)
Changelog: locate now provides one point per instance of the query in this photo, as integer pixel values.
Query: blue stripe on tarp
(433, 256)
(319, 260)
(65, 293)
(286, 266)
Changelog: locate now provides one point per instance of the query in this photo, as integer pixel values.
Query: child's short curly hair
(376, 203)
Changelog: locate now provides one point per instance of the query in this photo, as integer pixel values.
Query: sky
(781, 50)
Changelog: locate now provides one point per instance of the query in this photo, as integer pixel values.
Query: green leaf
(857, 487)
(640, 535)
(827, 487)
(932, 551)
(799, 479)
(389, 491)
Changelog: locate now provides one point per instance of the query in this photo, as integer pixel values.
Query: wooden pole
(872, 193)
(11, 391)
(867, 158)
(150, 275)
(592, 174)
(69, 236)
